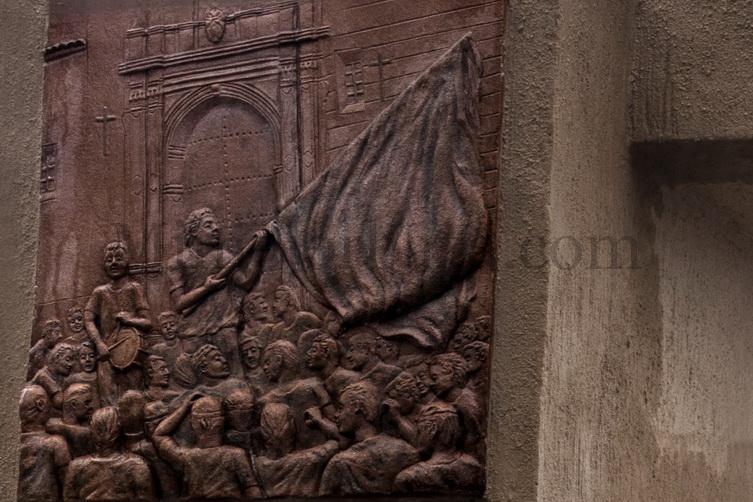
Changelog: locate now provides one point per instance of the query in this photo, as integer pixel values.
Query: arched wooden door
(222, 155)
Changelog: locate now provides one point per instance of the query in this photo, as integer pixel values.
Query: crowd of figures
(241, 394)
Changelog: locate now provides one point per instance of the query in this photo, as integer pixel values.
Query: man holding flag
(388, 235)
(204, 288)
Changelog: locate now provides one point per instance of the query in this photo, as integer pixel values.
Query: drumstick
(117, 343)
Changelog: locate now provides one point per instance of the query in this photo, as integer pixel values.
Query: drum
(125, 347)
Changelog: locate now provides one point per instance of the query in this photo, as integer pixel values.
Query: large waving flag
(398, 220)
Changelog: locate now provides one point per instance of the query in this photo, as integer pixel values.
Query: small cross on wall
(104, 119)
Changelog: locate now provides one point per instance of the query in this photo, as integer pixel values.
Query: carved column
(134, 122)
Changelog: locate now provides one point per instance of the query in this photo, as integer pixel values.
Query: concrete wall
(645, 392)
(21, 42)
(693, 71)
(520, 296)
(702, 424)
(600, 365)
(692, 75)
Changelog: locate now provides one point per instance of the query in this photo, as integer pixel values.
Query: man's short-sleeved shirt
(297, 473)
(219, 472)
(369, 466)
(42, 455)
(123, 476)
(461, 471)
(106, 301)
(219, 310)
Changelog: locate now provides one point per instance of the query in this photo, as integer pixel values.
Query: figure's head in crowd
(254, 307)
(285, 302)
(154, 413)
(277, 429)
(438, 427)
(361, 348)
(359, 406)
(157, 371)
(475, 355)
(252, 350)
(387, 350)
(323, 352)
(239, 409)
(209, 362)
(280, 361)
(423, 378)
(52, 332)
(131, 412)
(484, 328)
(116, 259)
(168, 323)
(207, 421)
(78, 403)
(87, 357)
(105, 430)
(34, 408)
(332, 323)
(405, 391)
(76, 319)
(61, 359)
(465, 334)
(201, 227)
(447, 371)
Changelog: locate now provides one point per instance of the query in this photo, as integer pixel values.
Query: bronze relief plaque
(265, 265)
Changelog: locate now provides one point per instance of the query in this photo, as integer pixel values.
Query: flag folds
(398, 219)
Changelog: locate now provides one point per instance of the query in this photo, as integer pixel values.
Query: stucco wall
(21, 42)
(644, 393)
(692, 75)
(601, 352)
(693, 71)
(529, 54)
(702, 424)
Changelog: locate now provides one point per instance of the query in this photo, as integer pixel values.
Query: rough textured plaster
(691, 81)
(21, 42)
(602, 350)
(702, 425)
(520, 291)
(645, 393)
(693, 71)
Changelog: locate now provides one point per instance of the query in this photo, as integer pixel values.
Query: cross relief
(104, 119)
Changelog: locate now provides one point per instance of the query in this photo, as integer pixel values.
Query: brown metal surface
(268, 228)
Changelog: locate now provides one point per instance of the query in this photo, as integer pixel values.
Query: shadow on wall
(702, 216)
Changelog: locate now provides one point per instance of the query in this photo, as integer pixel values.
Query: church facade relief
(266, 251)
